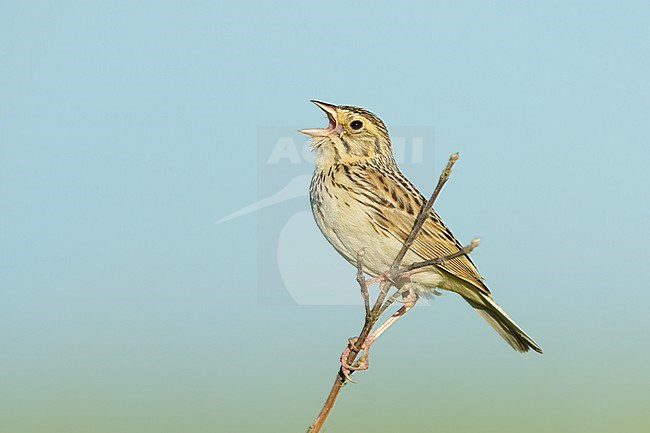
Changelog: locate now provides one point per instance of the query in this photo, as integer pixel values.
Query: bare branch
(362, 282)
(421, 218)
(392, 299)
(424, 213)
(405, 270)
(462, 252)
(386, 280)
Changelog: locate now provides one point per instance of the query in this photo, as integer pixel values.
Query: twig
(393, 298)
(463, 251)
(363, 283)
(373, 314)
(405, 270)
(424, 213)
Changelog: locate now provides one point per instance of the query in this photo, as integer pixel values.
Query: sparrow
(360, 200)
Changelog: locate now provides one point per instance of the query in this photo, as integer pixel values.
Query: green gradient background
(127, 130)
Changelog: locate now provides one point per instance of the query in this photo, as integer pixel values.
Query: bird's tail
(504, 325)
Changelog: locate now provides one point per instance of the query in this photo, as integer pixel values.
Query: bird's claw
(361, 364)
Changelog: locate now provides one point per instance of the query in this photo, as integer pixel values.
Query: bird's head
(353, 134)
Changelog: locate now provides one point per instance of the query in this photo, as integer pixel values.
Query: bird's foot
(362, 362)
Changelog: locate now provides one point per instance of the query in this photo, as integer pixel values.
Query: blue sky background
(128, 129)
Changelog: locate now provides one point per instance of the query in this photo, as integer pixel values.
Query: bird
(360, 200)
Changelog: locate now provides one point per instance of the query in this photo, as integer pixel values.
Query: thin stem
(393, 298)
(421, 218)
(465, 250)
(462, 252)
(424, 214)
(373, 314)
(362, 282)
(327, 407)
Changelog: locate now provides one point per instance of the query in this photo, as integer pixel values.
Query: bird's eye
(356, 124)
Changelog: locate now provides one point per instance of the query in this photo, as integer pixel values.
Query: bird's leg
(409, 300)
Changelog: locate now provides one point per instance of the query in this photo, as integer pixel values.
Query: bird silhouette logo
(284, 224)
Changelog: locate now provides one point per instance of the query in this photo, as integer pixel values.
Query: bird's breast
(348, 224)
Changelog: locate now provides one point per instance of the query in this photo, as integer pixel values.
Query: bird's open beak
(332, 128)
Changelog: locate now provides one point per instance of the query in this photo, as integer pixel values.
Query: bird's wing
(400, 203)
(436, 240)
